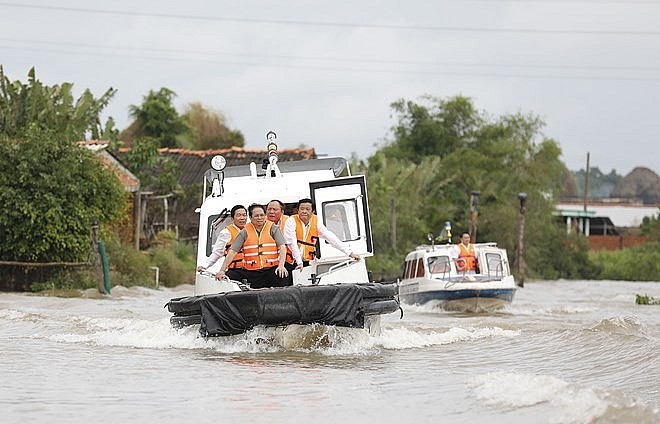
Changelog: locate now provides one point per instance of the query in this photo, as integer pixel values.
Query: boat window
(409, 268)
(216, 223)
(420, 267)
(438, 264)
(495, 265)
(341, 217)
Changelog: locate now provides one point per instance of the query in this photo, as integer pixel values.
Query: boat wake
(159, 334)
(407, 338)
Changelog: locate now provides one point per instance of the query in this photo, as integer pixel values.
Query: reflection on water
(563, 352)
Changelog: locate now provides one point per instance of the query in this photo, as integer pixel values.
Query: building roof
(128, 180)
(621, 215)
(194, 163)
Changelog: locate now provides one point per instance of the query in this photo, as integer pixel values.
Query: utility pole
(474, 213)
(393, 222)
(520, 259)
(586, 184)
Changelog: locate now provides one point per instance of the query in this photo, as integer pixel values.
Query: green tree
(444, 149)
(208, 130)
(155, 171)
(651, 227)
(50, 189)
(53, 108)
(156, 118)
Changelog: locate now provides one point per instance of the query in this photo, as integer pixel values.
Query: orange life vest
(260, 249)
(238, 259)
(283, 219)
(467, 260)
(306, 244)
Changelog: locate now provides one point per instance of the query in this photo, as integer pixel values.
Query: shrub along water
(640, 263)
(129, 267)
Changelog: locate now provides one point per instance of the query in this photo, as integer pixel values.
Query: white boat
(332, 290)
(431, 276)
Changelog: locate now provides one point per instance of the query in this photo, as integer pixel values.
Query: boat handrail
(225, 279)
(343, 264)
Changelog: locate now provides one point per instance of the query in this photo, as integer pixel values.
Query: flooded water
(564, 352)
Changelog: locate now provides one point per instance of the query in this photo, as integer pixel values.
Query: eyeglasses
(258, 215)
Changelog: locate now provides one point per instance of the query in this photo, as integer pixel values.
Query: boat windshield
(438, 264)
(341, 217)
(495, 264)
(216, 223)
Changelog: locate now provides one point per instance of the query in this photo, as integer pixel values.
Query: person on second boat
(306, 230)
(225, 238)
(264, 252)
(465, 254)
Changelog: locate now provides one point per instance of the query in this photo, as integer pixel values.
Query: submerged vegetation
(646, 300)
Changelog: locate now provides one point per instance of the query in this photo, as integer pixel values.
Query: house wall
(614, 242)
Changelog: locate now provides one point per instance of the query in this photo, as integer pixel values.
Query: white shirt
(324, 233)
(455, 251)
(218, 248)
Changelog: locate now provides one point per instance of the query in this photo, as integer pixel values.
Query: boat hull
(463, 300)
(344, 305)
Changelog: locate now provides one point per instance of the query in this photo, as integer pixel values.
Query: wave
(621, 325)
(558, 400)
(159, 334)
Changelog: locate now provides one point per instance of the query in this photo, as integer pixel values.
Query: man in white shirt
(302, 231)
(225, 238)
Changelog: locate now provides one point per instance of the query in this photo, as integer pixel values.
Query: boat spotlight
(218, 162)
(272, 147)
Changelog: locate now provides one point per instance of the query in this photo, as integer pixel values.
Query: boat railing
(316, 278)
(244, 286)
(343, 264)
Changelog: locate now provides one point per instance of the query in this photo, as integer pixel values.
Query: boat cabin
(340, 202)
(438, 262)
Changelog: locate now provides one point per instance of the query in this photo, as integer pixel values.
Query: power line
(328, 23)
(326, 59)
(326, 68)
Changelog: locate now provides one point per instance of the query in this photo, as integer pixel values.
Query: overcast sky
(324, 74)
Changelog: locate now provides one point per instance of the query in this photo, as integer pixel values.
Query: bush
(68, 279)
(640, 263)
(174, 264)
(128, 267)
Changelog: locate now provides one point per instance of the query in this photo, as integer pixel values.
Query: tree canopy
(50, 189)
(208, 129)
(443, 149)
(156, 118)
(53, 108)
